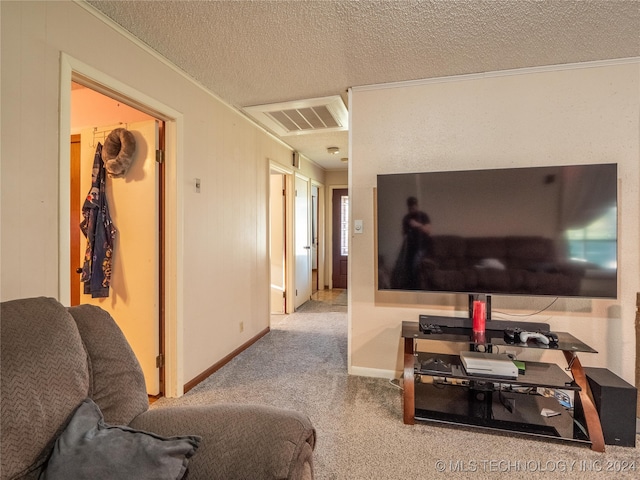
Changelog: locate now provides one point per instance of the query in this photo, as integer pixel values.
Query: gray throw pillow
(90, 449)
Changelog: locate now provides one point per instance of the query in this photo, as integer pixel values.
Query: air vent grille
(303, 116)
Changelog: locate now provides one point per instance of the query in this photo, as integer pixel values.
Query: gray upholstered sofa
(53, 359)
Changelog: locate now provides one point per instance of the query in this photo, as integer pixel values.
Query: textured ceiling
(258, 52)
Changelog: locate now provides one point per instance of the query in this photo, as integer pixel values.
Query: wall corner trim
(499, 73)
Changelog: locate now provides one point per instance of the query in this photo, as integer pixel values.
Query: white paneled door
(302, 242)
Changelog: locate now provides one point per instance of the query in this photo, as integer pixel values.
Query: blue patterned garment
(100, 233)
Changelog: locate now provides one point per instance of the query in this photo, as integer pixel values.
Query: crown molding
(500, 73)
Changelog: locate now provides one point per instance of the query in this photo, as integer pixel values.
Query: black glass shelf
(536, 374)
(566, 341)
(496, 410)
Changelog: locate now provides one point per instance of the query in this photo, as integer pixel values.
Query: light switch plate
(357, 226)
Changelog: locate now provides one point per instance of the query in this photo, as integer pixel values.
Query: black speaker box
(615, 401)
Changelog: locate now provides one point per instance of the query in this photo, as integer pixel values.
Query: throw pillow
(90, 449)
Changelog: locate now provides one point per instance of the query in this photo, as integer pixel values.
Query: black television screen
(512, 231)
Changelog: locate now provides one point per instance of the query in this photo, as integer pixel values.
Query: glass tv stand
(437, 388)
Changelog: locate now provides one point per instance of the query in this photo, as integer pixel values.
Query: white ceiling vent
(326, 114)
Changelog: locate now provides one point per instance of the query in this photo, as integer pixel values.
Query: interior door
(278, 234)
(302, 242)
(134, 206)
(340, 237)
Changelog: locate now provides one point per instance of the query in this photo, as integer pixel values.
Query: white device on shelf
(489, 365)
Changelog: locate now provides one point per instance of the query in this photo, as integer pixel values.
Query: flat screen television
(539, 231)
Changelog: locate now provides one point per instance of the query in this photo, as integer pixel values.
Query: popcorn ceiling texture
(260, 52)
(250, 53)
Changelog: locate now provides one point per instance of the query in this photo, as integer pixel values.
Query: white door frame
(289, 261)
(71, 68)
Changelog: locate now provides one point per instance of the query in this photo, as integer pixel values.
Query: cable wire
(527, 314)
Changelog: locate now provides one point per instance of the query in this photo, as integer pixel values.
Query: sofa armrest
(239, 441)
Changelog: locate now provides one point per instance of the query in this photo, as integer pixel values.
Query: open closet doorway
(136, 205)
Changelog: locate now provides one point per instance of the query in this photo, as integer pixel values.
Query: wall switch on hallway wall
(357, 226)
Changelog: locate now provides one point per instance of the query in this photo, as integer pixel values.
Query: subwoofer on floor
(615, 402)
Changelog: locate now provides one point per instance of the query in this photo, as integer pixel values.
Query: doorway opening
(136, 203)
(171, 310)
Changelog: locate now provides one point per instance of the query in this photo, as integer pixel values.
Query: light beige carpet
(302, 364)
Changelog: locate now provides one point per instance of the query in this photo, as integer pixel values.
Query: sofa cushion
(44, 378)
(89, 449)
(494, 280)
(448, 252)
(530, 253)
(280, 441)
(449, 280)
(482, 248)
(116, 380)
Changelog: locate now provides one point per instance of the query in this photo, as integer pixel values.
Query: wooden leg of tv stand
(591, 417)
(409, 399)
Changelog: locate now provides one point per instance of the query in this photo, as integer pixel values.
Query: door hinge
(160, 361)
(160, 156)
(284, 294)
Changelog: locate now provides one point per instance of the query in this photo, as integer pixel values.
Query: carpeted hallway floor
(302, 364)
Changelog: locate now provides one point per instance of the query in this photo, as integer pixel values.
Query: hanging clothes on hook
(99, 231)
